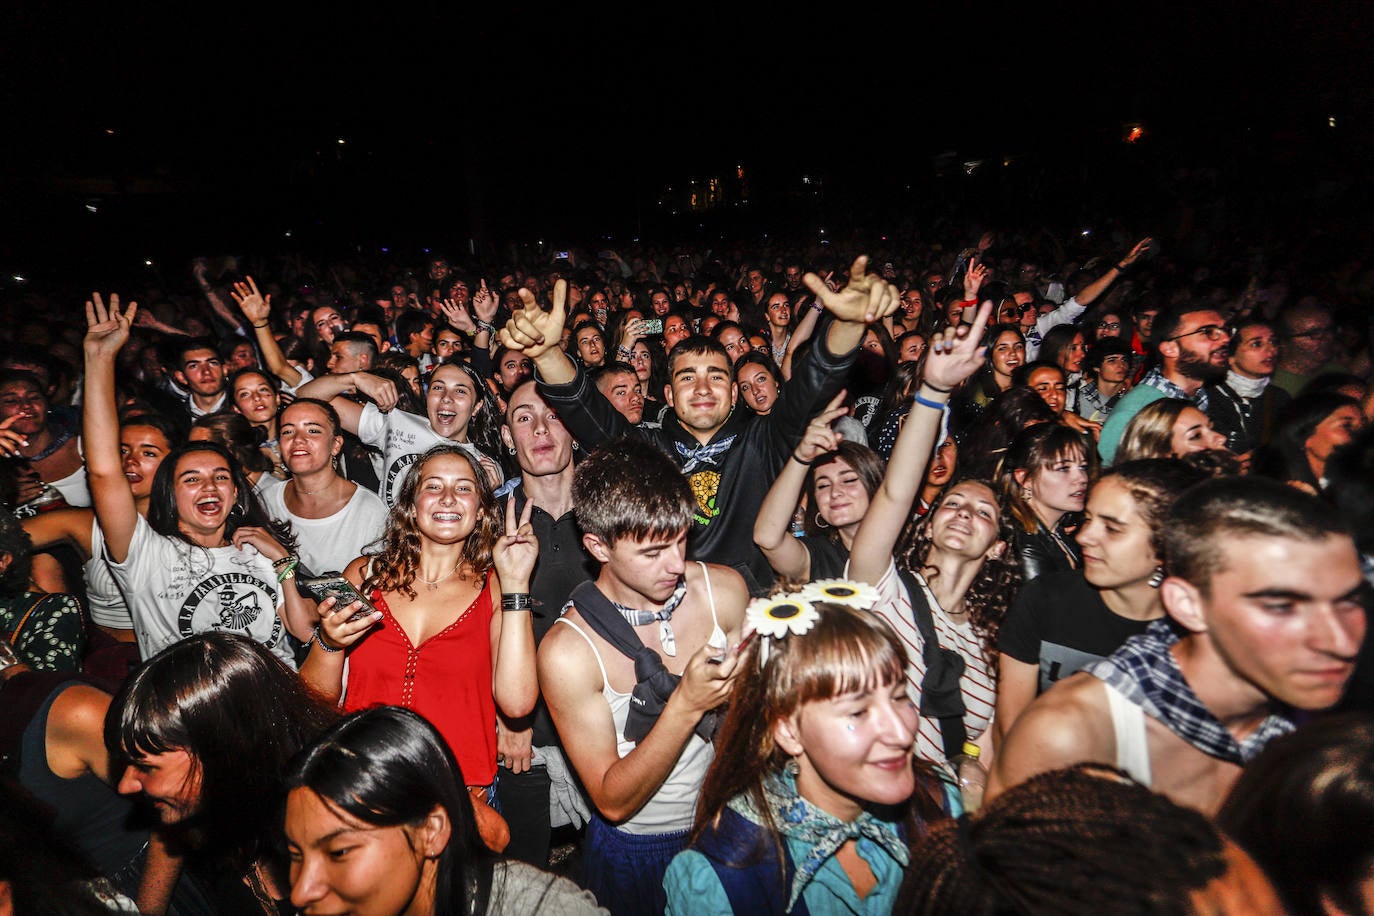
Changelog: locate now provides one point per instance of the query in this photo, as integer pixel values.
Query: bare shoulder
(566, 662)
(1068, 724)
(727, 588)
(357, 570)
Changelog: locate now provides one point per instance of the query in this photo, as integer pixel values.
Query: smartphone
(653, 325)
(338, 588)
(560, 255)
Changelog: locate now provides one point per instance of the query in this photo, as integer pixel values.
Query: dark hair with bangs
(240, 713)
(247, 510)
(389, 767)
(627, 488)
(1224, 510)
(864, 462)
(1034, 450)
(846, 651)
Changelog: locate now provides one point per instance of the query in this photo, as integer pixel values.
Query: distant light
(1135, 131)
(18, 278)
(386, 251)
(92, 208)
(1086, 232)
(426, 251)
(288, 233)
(341, 141)
(1330, 122)
(822, 230)
(109, 131)
(1006, 162)
(147, 263)
(972, 166)
(806, 179)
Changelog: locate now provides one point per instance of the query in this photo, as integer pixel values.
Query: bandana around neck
(1144, 671)
(798, 819)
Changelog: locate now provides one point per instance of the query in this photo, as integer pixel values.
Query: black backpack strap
(941, 697)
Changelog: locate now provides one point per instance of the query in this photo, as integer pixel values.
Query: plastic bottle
(973, 778)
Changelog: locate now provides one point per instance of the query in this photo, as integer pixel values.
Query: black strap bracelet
(805, 464)
(516, 601)
(320, 639)
(936, 387)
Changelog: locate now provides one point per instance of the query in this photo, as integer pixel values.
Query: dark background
(465, 130)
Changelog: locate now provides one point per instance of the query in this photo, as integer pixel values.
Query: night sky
(509, 122)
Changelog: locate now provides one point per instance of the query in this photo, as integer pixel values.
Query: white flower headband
(795, 613)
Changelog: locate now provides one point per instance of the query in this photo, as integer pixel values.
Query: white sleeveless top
(672, 808)
(1132, 747)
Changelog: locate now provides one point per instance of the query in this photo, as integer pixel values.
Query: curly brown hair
(398, 562)
(998, 580)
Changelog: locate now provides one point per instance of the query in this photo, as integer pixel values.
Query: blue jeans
(625, 870)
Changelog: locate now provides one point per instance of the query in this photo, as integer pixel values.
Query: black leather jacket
(1047, 551)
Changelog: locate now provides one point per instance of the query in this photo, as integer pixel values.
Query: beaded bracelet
(319, 639)
(286, 569)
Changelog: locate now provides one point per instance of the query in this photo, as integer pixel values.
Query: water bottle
(973, 778)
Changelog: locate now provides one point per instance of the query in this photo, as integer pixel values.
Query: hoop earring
(1156, 578)
(820, 522)
(511, 451)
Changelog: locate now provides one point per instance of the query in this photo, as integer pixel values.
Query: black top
(731, 488)
(1047, 551)
(1060, 623)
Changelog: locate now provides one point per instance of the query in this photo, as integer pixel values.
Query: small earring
(792, 768)
(511, 451)
(820, 522)
(1156, 577)
(1026, 493)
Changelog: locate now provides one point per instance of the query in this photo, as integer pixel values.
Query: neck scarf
(702, 454)
(1155, 379)
(637, 618)
(798, 819)
(1246, 387)
(1145, 672)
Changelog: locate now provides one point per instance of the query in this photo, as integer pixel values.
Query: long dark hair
(240, 713)
(246, 511)
(388, 767)
(1285, 457)
(865, 463)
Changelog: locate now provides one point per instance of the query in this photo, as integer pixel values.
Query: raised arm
(787, 556)
(536, 332)
(257, 308)
(954, 355)
(515, 685)
(806, 326)
(331, 388)
(1099, 286)
(217, 303)
(865, 298)
(106, 331)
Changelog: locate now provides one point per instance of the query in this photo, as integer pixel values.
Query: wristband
(516, 601)
(1121, 269)
(925, 384)
(805, 464)
(817, 306)
(926, 402)
(485, 326)
(285, 568)
(263, 325)
(320, 639)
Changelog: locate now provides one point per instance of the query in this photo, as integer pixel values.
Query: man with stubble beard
(1193, 344)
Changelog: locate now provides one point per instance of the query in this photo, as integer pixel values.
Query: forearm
(631, 781)
(273, 357)
(298, 613)
(515, 684)
(328, 387)
(775, 515)
(555, 367)
(160, 872)
(323, 671)
(891, 505)
(1089, 293)
(220, 307)
(806, 326)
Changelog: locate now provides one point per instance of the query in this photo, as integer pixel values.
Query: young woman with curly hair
(436, 642)
(949, 586)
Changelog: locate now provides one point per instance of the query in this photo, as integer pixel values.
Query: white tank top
(672, 808)
(1132, 747)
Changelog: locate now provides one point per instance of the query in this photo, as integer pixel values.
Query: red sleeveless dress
(446, 679)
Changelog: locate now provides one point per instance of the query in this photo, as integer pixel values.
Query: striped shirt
(978, 685)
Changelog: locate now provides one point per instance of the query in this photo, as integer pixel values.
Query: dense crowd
(749, 580)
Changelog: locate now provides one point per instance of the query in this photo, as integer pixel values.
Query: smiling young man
(730, 456)
(639, 662)
(1193, 344)
(1264, 584)
(200, 373)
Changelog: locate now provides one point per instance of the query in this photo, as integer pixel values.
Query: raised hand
(107, 329)
(256, 307)
(516, 550)
(973, 280)
(532, 330)
(458, 316)
(11, 441)
(956, 353)
(819, 438)
(866, 298)
(485, 302)
(1138, 252)
(382, 391)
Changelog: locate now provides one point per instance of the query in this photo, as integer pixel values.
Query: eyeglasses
(1109, 325)
(1210, 331)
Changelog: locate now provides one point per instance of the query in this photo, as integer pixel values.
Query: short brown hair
(629, 489)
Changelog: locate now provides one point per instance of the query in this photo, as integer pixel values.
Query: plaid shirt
(1144, 671)
(1154, 379)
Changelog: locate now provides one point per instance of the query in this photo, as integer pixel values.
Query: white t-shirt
(403, 438)
(176, 590)
(330, 544)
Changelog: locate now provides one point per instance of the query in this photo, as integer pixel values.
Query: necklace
(432, 584)
(666, 637)
(300, 492)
